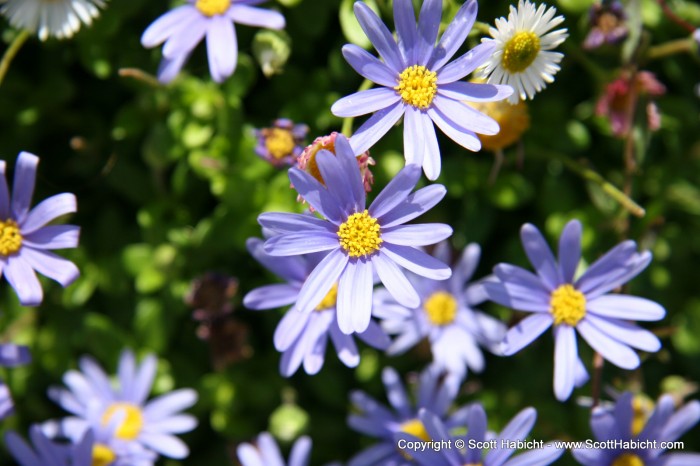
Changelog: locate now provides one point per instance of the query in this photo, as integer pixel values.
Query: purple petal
(681, 422)
(395, 281)
(48, 210)
(626, 333)
(405, 22)
(348, 166)
(416, 204)
(23, 185)
(369, 67)
(375, 127)
(53, 237)
(4, 192)
(468, 116)
(475, 92)
(22, 278)
(417, 262)
(565, 354)
(169, 68)
(516, 429)
(618, 276)
(395, 192)
(12, 355)
(514, 297)
(413, 137)
(166, 405)
(321, 280)
(428, 26)
(467, 63)
(291, 268)
(396, 392)
(355, 297)
(50, 265)
(379, 35)
(167, 25)
(612, 264)
(454, 36)
(317, 335)
(612, 350)
(271, 296)
(375, 336)
(570, 250)
(431, 157)
(455, 131)
(537, 457)
(222, 48)
(316, 194)
(626, 307)
(289, 328)
(337, 182)
(525, 332)
(364, 102)
(192, 32)
(345, 347)
(301, 451)
(258, 17)
(417, 235)
(540, 256)
(292, 244)
(167, 445)
(284, 222)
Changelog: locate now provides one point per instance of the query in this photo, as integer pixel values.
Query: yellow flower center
(628, 459)
(102, 455)
(279, 142)
(520, 51)
(567, 305)
(441, 308)
(10, 237)
(329, 300)
(360, 235)
(641, 408)
(132, 424)
(417, 86)
(416, 428)
(212, 7)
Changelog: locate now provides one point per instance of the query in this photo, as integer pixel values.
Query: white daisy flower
(51, 18)
(522, 58)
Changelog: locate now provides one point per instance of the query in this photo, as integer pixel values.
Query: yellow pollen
(567, 305)
(520, 51)
(132, 424)
(628, 459)
(416, 428)
(279, 142)
(102, 455)
(417, 86)
(329, 300)
(10, 237)
(641, 409)
(360, 235)
(212, 7)
(441, 308)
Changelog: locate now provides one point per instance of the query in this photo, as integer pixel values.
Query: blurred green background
(169, 188)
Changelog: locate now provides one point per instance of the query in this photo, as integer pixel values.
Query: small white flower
(523, 58)
(51, 18)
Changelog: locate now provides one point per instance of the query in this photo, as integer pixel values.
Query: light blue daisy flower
(617, 424)
(418, 83)
(25, 240)
(11, 355)
(95, 401)
(358, 241)
(476, 424)
(302, 337)
(265, 452)
(446, 316)
(583, 305)
(436, 392)
(182, 28)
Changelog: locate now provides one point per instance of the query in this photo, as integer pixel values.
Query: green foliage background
(169, 188)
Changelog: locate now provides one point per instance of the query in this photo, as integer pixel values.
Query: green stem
(669, 48)
(139, 75)
(607, 187)
(347, 122)
(11, 51)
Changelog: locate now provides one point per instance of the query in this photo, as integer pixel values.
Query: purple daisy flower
(358, 241)
(266, 452)
(182, 28)
(26, 241)
(95, 401)
(618, 425)
(476, 423)
(11, 355)
(435, 394)
(418, 83)
(584, 304)
(281, 144)
(303, 336)
(446, 316)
